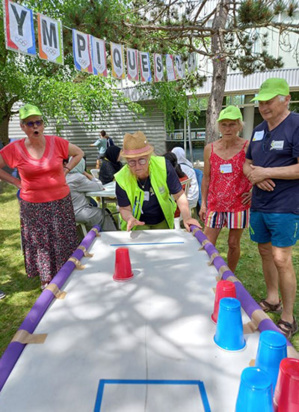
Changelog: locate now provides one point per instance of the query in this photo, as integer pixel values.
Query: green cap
(29, 110)
(230, 113)
(271, 88)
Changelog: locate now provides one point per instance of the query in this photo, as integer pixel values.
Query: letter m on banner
(50, 39)
(19, 29)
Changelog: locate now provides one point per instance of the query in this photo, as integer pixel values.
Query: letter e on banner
(158, 67)
(19, 29)
(145, 67)
(49, 39)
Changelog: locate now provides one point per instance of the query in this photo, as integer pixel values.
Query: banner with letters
(158, 67)
(19, 28)
(50, 39)
(117, 61)
(81, 51)
(132, 64)
(145, 67)
(89, 52)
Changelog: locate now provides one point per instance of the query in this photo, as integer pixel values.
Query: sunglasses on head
(133, 163)
(32, 124)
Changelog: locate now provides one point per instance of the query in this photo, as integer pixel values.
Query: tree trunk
(219, 72)
(4, 130)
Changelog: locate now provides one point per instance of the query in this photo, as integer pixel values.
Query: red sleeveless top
(226, 189)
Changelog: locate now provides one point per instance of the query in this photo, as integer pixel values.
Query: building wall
(116, 124)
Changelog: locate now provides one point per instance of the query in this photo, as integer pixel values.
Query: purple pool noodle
(248, 303)
(14, 349)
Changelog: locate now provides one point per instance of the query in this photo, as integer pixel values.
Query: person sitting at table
(144, 187)
(181, 175)
(111, 164)
(79, 184)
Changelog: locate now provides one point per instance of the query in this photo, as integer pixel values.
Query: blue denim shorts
(281, 229)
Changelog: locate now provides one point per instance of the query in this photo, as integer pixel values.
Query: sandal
(287, 329)
(269, 307)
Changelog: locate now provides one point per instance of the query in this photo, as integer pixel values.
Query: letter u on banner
(19, 28)
(50, 39)
(145, 67)
(117, 60)
(81, 51)
(158, 67)
(98, 52)
(132, 64)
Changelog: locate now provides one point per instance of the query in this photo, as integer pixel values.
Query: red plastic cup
(224, 289)
(286, 396)
(123, 270)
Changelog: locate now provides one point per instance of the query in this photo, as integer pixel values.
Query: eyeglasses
(141, 162)
(36, 123)
(265, 143)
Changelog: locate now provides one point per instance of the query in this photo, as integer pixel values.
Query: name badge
(277, 145)
(226, 168)
(258, 136)
(146, 196)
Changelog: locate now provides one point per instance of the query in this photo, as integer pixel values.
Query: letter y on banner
(81, 51)
(50, 39)
(19, 29)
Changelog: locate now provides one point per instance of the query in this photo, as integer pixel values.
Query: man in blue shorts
(272, 167)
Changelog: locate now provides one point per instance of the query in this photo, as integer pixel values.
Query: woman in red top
(48, 226)
(225, 189)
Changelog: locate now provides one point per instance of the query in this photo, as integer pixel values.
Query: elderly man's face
(272, 110)
(139, 166)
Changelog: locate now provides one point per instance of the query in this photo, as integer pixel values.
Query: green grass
(22, 292)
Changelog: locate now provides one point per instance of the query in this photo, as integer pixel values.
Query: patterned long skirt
(49, 236)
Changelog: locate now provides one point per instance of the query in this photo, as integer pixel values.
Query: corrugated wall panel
(116, 124)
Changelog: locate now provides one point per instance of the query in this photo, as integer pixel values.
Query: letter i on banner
(158, 67)
(19, 29)
(98, 52)
(145, 67)
(50, 39)
(117, 61)
(81, 51)
(170, 68)
(180, 67)
(132, 64)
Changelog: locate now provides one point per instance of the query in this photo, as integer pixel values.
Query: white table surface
(155, 326)
(108, 192)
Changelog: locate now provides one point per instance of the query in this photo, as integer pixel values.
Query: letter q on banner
(145, 67)
(158, 67)
(50, 39)
(19, 28)
(117, 61)
(132, 64)
(98, 52)
(81, 51)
